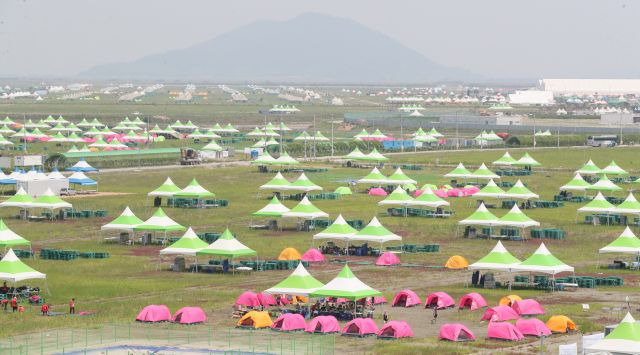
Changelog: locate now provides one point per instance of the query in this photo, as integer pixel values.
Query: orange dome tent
(255, 319)
(561, 324)
(456, 262)
(289, 254)
(508, 300)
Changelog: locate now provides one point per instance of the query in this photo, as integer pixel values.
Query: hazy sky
(497, 39)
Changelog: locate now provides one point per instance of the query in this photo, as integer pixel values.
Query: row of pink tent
(455, 192)
(440, 300)
(527, 307)
(161, 313)
(329, 324)
(496, 330)
(252, 299)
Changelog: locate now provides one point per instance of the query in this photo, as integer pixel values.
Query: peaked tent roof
(159, 221)
(286, 159)
(614, 169)
(598, 204)
(374, 177)
(188, 244)
(194, 189)
(212, 147)
(168, 188)
(374, 155)
(302, 183)
(527, 160)
(399, 177)
(277, 183)
(305, 209)
(227, 246)
(355, 154)
(589, 169)
(498, 258)
(543, 261)
(516, 218)
(624, 339)
(482, 217)
(459, 172)
(627, 242)
(490, 190)
(506, 159)
(429, 199)
(264, 159)
(398, 197)
(298, 283)
(273, 209)
(49, 201)
(518, 190)
(339, 229)
(346, 285)
(126, 221)
(604, 184)
(10, 238)
(629, 205)
(14, 270)
(20, 199)
(484, 173)
(375, 232)
(576, 184)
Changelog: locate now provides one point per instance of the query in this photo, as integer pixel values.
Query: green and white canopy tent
(299, 283)
(127, 221)
(9, 238)
(459, 172)
(305, 210)
(6, 130)
(255, 133)
(188, 245)
(498, 259)
(212, 147)
(194, 190)
(345, 285)
(506, 160)
(343, 190)
(624, 339)
(428, 199)
(319, 137)
(604, 184)
(526, 160)
(376, 156)
(490, 190)
(362, 134)
(273, 209)
(278, 183)
(355, 154)
(613, 169)
(434, 133)
(399, 178)
(599, 204)
(419, 132)
(543, 261)
(286, 159)
(20, 200)
(426, 139)
(484, 173)
(516, 218)
(49, 120)
(374, 177)
(481, 217)
(398, 197)
(575, 184)
(304, 136)
(270, 133)
(339, 230)
(589, 169)
(228, 247)
(375, 232)
(167, 189)
(159, 222)
(519, 191)
(377, 134)
(92, 132)
(49, 201)
(264, 159)
(302, 183)
(229, 129)
(14, 270)
(626, 243)
(629, 206)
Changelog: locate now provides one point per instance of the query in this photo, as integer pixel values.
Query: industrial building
(619, 118)
(531, 97)
(591, 86)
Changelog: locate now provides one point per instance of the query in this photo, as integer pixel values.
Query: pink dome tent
(533, 326)
(377, 191)
(248, 299)
(503, 331)
(441, 300)
(323, 324)
(441, 193)
(455, 332)
(289, 322)
(388, 259)
(313, 255)
(472, 301)
(379, 300)
(527, 307)
(406, 298)
(499, 314)
(266, 299)
(189, 315)
(360, 327)
(154, 313)
(395, 329)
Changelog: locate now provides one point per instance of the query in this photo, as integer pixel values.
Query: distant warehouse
(619, 118)
(591, 86)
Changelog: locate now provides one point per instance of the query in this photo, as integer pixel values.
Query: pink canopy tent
(154, 313)
(323, 324)
(387, 259)
(377, 191)
(266, 299)
(472, 301)
(288, 322)
(441, 300)
(406, 298)
(471, 190)
(527, 307)
(499, 314)
(360, 327)
(189, 315)
(503, 331)
(533, 326)
(395, 329)
(455, 193)
(455, 332)
(441, 193)
(313, 255)
(379, 300)
(248, 299)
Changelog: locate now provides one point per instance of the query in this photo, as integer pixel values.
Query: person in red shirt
(5, 303)
(72, 306)
(14, 304)
(45, 309)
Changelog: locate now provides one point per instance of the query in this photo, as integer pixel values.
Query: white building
(591, 86)
(531, 97)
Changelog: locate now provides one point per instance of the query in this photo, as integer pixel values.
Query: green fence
(198, 338)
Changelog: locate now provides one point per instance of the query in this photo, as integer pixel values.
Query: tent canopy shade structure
(376, 156)
(286, 159)
(127, 221)
(374, 177)
(194, 190)
(459, 172)
(590, 168)
(168, 188)
(526, 160)
(506, 160)
(575, 184)
(277, 183)
(355, 154)
(604, 184)
(613, 169)
(629, 206)
(227, 246)
(273, 209)
(398, 197)
(302, 183)
(339, 230)
(306, 210)
(375, 232)
(481, 217)
(14, 270)
(399, 178)
(624, 339)
(484, 173)
(599, 204)
(82, 166)
(428, 199)
(490, 190)
(20, 199)
(346, 285)
(498, 258)
(159, 221)
(188, 244)
(299, 283)
(519, 191)
(516, 218)
(626, 243)
(544, 262)
(9, 238)
(49, 201)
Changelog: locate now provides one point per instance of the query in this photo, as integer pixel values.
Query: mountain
(310, 48)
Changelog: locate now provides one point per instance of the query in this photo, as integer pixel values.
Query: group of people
(10, 298)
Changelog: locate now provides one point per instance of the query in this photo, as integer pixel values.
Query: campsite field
(118, 287)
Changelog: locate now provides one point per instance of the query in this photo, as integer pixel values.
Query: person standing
(435, 314)
(385, 317)
(45, 309)
(14, 304)
(72, 306)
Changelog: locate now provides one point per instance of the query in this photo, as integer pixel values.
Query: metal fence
(168, 338)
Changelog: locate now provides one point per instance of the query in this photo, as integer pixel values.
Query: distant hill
(311, 48)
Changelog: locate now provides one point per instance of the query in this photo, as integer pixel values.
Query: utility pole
(332, 135)
(401, 133)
